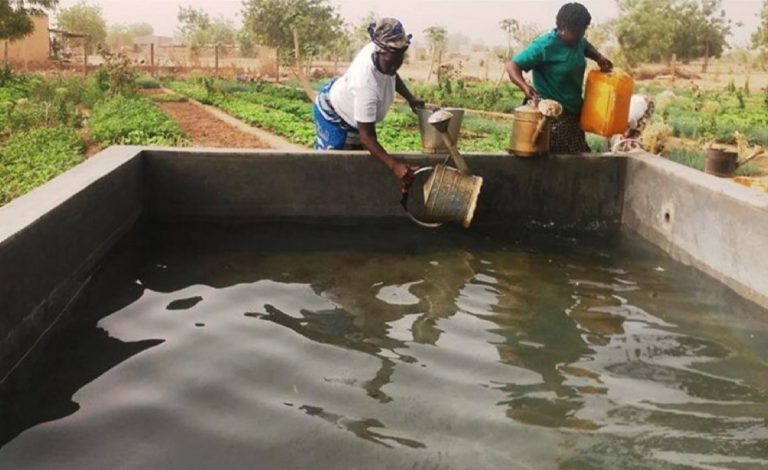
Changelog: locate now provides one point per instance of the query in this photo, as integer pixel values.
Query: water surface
(390, 346)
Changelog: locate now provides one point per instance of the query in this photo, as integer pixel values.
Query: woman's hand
(416, 104)
(531, 94)
(605, 64)
(404, 173)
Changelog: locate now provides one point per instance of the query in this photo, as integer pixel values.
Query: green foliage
(121, 35)
(696, 159)
(30, 102)
(483, 96)
(596, 143)
(198, 29)
(653, 30)
(147, 82)
(646, 30)
(765, 97)
(760, 37)
(96, 87)
(141, 29)
(262, 105)
(133, 121)
(739, 94)
(298, 130)
(15, 21)
(359, 35)
(12, 85)
(701, 29)
(194, 91)
(436, 37)
(246, 42)
(32, 157)
(167, 98)
(117, 76)
(287, 25)
(716, 115)
(83, 18)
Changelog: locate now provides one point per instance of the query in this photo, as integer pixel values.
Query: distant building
(32, 48)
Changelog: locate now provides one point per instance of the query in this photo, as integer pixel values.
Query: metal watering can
(724, 164)
(531, 128)
(431, 138)
(450, 194)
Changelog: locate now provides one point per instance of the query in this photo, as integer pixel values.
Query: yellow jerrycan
(606, 103)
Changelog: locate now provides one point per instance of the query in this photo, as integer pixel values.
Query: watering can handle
(539, 129)
(404, 200)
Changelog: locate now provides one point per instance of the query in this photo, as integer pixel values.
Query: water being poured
(388, 346)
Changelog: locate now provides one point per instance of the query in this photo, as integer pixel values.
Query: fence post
(277, 65)
(216, 60)
(152, 59)
(86, 43)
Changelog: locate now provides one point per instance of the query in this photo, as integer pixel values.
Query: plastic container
(606, 103)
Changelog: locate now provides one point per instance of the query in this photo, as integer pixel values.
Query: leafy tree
(15, 21)
(655, 30)
(83, 18)
(509, 26)
(141, 29)
(701, 31)
(602, 35)
(341, 48)
(297, 29)
(246, 42)
(119, 35)
(646, 30)
(519, 35)
(760, 37)
(436, 37)
(125, 35)
(360, 36)
(198, 29)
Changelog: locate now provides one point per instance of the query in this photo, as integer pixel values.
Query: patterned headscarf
(389, 35)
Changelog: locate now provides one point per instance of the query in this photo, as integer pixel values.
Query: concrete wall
(699, 219)
(51, 238)
(564, 191)
(33, 48)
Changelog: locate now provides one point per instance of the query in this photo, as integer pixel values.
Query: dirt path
(206, 130)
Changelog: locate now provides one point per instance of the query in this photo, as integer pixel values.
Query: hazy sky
(475, 18)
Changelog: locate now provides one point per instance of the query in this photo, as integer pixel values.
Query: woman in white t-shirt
(347, 108)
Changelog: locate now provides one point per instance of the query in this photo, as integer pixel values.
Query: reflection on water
(417, 349)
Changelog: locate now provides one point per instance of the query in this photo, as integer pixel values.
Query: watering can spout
(754, 155)
(440, 120)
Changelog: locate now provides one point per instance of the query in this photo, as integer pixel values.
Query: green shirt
(558, 70)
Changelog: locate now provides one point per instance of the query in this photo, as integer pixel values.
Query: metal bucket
(721, 163)
(524, 126)
(431, 140)
(450, 195)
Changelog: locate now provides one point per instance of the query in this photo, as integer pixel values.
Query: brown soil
(206, 130)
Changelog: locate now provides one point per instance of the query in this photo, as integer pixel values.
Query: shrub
(30, 158)
(133, 121)
(696, 159)
(147, 82)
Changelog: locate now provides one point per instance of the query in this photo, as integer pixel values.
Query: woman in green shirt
(558, 61)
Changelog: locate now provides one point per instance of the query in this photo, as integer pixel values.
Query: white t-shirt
(363, 94)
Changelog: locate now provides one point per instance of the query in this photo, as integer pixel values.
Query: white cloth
(363, 94)
(638, 105)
